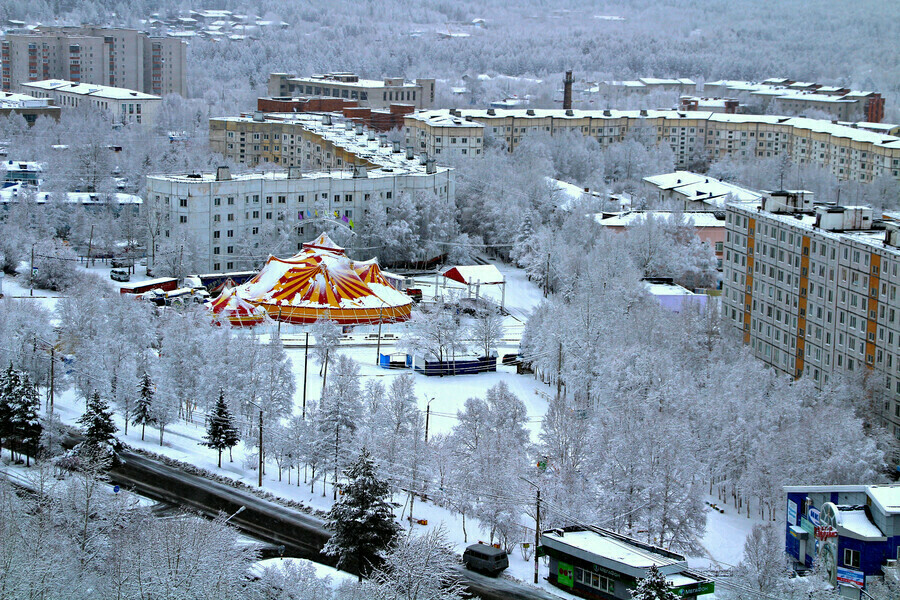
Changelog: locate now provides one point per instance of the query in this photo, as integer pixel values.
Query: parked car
(120, 275)
(485, 559)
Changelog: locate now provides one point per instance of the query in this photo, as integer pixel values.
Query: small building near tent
(231, 309)
(321, 282)
(477, 275)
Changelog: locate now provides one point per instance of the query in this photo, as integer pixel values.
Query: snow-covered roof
(853, 520)
(10, 100)
(612, 552)
(360, 83)
(667, 289)
(88, 89)
(887, 497)
(701, 188)
(700, 219)
(15, 193)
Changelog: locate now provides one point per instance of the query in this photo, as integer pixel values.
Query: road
(302, 535)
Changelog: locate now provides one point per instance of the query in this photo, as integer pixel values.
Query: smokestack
(567, 90)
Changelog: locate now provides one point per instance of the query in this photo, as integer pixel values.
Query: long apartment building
(121, 105)
(792, 96)
(813, 289)
(372, 93)
(333, 169)
(124, 58)
(849, 152)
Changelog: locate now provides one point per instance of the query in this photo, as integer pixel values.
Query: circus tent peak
(324, 242)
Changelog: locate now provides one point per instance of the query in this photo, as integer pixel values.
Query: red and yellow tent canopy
(320, 282)
(230, 308)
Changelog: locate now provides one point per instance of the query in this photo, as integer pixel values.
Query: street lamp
(259, 483)
(537, 525)
(380, 319)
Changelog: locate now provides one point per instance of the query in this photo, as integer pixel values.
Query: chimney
(326, 120)
(430, 167)
(349, 125)
(567, 90)
(382, 139)
(423, 158)
(223, 174)
(396, 147)
(371, 135)
(409, 153)
(359, 129)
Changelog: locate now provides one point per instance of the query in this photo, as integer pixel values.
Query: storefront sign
(807, 526)
(813, 515)
(845, 575)
(695, 589)
(792, 512)
(565, 575)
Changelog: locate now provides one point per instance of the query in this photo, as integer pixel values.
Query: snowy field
(725, 533)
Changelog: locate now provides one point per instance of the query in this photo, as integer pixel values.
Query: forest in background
(831, 42)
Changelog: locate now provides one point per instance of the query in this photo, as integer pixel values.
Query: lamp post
(259, 482)
(537, 525)
(380, 319)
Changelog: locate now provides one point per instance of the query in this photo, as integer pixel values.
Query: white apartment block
(850, 152)
(373, 93)
(121, 105)
(124, 58)
(223, 214)
(813, 289)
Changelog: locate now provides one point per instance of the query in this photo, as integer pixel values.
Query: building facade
(372, 93)
(850, 152)
(602, 565)
(853, 531)
(223, 214)
(123, 58)
(446, 136)
(813, 290)
(121, 105)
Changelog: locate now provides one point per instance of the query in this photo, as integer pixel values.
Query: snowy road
(302, 535)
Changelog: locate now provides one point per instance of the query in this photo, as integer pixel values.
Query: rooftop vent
(607, 113)
(326, 120)
(359, 129)
(370, 135)
(396, 148)
(430, 167)
(570, 112)
(258, 116)
(529, 112)
(892, 235)
(295, 172)
(643, 112)
(360, 172)
(223, 174)
(491, 112)
(410, 154)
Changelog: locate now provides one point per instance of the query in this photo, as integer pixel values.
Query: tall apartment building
(121, 105)
(813, 289)
(123, 58)
(372, 93)
(850, 152)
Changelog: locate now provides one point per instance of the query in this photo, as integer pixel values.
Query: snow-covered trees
(20, 424)
(419, 567)
(55, 265)
(99, 429)
(487, 330)
(435, 333)
(143, 408)
(338, 415)
(220, 430)
(362, 520)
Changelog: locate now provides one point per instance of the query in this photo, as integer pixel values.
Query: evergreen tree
(142, 408)
(361, 519)
(654, 587)
(97, 422)
(220, 430)
(26, 420)
(9, 381)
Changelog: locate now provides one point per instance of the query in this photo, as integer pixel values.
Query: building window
(594, 580)
(851, 558)
(182, 219)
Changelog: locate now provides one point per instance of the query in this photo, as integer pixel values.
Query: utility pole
(559, 372)
(537, 532)
(90, 246)
(305, 366)
(52, 376)
(260, 447)
(31, 285)
(380, 319)
(547, 277)
(427, 418)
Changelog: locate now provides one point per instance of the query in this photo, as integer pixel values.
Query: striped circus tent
(321, 282)
(237, 312)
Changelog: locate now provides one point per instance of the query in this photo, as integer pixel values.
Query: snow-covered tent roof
(230, 308)
(321, 282)
(472, 274)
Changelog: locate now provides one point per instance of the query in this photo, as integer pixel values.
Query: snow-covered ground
(725, 533)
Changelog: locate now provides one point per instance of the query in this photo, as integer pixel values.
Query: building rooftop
(88, 89)
(612, 549)
(10, 100)
(360, 83)
(631, 218)
(348, 139)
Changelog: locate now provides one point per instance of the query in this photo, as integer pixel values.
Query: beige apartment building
(849, 152)
(444, 136)
(813, 289)
(372, 93)
(124, 58)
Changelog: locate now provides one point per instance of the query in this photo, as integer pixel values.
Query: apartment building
(371, 93)
(851, 152)
(694, 191)
(796, 97)
(813, 289)
(223, 214)
(124, 58)
(121, 105)
(443, 136)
